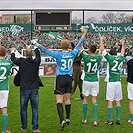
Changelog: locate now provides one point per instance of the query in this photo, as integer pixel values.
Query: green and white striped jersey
(91, 64)
(5, 67)
(114, 67)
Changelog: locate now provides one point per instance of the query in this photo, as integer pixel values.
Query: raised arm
(101, 49)
(85, 32)
(13, 58)
(37, 56)
(45, 50)
(122, 48)
(78, 46)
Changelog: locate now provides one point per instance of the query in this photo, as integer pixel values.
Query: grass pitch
(48, 118)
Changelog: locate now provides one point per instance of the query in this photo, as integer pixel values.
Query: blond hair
(65, 44)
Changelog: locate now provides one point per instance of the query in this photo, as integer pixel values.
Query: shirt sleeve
(48, 51)
(37, 56)
(78, 46)
(104, 53)
(14, 59)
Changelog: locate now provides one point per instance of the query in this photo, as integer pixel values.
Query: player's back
(114, 67)
(65, 63)
(5, 66)
(91, 65)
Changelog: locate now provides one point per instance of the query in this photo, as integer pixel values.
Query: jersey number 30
(66, 64)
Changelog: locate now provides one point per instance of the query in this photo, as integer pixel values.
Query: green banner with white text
(108, 28)
(99, 28)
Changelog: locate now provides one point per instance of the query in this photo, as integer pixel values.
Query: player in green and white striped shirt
(114, 89)
(90, 81)
(5, 66)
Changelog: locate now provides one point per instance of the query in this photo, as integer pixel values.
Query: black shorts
(63, 84)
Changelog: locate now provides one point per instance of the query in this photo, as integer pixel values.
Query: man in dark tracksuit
(29, 84)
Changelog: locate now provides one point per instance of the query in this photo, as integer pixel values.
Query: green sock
(110, 112)
(118, 112)
(95, 111)
(4, 122)
(84, 110)
(131, 117)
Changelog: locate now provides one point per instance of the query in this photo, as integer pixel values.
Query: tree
(124, 18)
(23, 20)
(91, 20)
(76, 20)
(116, 18)
(109, 18)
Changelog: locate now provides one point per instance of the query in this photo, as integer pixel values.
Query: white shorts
(130, 91)
(4, 98)
(113, 91)
(90, 88)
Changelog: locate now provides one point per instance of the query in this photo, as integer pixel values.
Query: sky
(69, 4)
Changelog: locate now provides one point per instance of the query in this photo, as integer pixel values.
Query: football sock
(4, 122)
(118, 112)
(95, 111)
(60, 111)
(131, 117)
(84, 110)
(110, 112)
(68, 108)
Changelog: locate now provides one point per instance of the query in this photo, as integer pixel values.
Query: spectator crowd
(22, 40)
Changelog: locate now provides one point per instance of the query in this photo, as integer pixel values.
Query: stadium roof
(66, 4)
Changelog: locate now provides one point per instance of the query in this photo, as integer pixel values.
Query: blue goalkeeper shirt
(64, 59)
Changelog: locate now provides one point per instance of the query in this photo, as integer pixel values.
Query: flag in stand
(52, 35)
(60, 37)
(93, 27)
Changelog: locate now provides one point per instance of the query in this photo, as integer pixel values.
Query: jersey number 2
(2, 76)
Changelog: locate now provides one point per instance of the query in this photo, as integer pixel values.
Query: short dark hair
(92, 48)
(113, 52)
(2, 51)
(29, 52)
